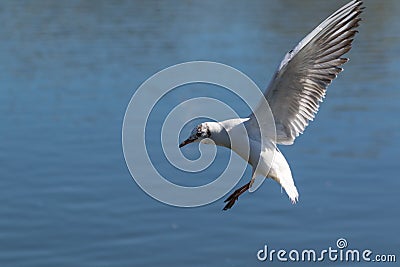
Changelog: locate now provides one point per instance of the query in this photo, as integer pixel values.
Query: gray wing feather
(300, 83)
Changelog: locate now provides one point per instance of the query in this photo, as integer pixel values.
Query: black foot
(232, 198)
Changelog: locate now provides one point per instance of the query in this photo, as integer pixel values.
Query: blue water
(68, 70)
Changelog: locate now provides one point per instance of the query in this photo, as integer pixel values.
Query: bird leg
(235, 195)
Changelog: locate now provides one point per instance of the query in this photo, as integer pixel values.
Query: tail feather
(290, 189)
(281, 173)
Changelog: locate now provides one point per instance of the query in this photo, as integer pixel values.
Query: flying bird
(293, 95)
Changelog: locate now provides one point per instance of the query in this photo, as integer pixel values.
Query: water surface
(68, 70)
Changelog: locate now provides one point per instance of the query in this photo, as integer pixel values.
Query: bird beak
(184, 143)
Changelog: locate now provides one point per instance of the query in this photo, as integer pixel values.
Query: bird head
(199, 133)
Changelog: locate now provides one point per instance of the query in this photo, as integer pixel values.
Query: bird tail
(291, 191)
(281, 173)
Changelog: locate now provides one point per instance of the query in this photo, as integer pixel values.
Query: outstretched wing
(300, 83)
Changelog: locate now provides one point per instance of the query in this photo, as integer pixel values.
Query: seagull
(293, 95)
